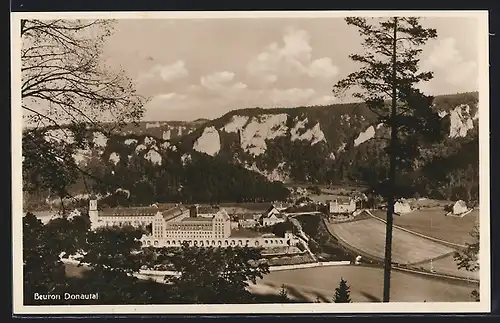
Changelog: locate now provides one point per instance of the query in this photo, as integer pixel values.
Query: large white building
(342, 205)
(134, 216)
(175, 226)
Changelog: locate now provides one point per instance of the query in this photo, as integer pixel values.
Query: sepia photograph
(250, 162)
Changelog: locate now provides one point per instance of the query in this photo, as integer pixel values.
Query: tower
(93, 212)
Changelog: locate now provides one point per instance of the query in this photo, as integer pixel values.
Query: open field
(429, 203)
(366, 285)
(369, 236)
(323, 197)
(434, 223)
(245, 207)
(448, 266)
(365, 282)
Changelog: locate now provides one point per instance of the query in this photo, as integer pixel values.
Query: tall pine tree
(387, 83)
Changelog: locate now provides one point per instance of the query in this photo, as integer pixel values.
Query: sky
(204, 68)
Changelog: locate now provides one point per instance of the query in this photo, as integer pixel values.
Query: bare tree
(67, 87)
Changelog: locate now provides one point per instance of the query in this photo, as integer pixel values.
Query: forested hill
(247, 154)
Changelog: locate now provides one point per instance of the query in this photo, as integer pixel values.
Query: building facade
(342, 205)
(134, 216)
(176, 226)
(264, 241)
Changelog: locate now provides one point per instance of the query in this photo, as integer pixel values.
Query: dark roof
(343, 200)
(208, 209)
(145, 211)
(172, 213)
(165, 206)
(119, 211)
(278, 215)
(270, 208)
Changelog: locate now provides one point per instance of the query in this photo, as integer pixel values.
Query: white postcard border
(310, 308)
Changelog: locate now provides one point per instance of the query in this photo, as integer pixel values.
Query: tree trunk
(23, 23)
(392, 175)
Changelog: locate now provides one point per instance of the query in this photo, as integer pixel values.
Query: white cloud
(466, 72)
(452, 72)
(293, 56)
(169, 97)
(166, 73)
(323, 67)
(443, 54)
(271, 78)
(220, 83)
(216, 80)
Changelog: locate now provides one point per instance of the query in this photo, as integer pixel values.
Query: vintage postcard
(250, 162)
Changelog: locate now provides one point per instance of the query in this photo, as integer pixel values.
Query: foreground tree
(70, 234)
(67, 89)
(43, 247)
(108, 259)
(342, 293)
(390, 72)
(113, 255)
(468, 259)
(43, 270)
(216, 275)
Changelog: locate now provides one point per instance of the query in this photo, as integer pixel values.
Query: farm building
(402, 206)
(247, 220)
(460, 207)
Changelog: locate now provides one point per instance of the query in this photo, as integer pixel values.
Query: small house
(247, 220)
(272, 216)
(460, 209)
(402, 206)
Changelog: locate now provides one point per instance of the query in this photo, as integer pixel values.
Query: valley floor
(366, 285)
(434, 223)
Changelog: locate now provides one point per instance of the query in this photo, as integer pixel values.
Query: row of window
(214, 243)
(122, 223)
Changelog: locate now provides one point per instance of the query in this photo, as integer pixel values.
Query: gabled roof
(141, 211)
(129, 211)
(222, 214)
(172, 213)
(270, 208)
(343, 200)
(269, 215)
